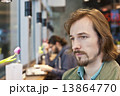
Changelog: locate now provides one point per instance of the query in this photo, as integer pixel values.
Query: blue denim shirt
(68, 61)
(81, 72)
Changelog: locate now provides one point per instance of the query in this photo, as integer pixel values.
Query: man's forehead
(82, 26)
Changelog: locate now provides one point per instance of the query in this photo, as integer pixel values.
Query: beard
(56, 50)
(84, 60)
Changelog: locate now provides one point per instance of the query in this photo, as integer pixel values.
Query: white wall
(24, 34)
(37, 26)
(13, 26)
(35, 39)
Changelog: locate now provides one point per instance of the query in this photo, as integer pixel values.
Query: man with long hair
(92, 44)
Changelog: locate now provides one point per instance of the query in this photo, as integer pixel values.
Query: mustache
(81, 52)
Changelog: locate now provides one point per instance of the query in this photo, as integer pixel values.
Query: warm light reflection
(6, 1)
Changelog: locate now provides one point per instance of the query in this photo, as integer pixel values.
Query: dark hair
(53, 39)
(101, 27)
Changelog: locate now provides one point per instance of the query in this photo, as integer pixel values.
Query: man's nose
(76, 45)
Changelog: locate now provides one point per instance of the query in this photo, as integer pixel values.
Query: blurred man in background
(63, 61)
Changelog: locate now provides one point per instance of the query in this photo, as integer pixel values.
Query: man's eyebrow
(70, 36)
(83, 33)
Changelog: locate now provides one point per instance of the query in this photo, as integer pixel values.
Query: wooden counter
(39, 77)
(35, 77)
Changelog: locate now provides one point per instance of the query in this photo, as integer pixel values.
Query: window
(8, 31)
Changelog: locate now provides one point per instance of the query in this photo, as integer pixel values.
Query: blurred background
(30, 23)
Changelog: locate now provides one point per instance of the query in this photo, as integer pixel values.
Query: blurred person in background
(93, 46)
(62, 62)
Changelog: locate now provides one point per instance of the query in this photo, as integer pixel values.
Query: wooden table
(39, 77)
(35, 77)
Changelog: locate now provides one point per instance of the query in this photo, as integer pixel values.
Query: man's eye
(71, 38)
(83, 37)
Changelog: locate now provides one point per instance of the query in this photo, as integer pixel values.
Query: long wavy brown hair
(101, 26)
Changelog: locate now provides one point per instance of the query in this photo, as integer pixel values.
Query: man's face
(53, 48)
(84, 41)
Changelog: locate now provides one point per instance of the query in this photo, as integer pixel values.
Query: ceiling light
(98, 1)
(118, 7)
(104, 9)
(86, 0)
(6, 1)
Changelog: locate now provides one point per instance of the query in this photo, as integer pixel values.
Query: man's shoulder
(110, 71)
(113, 65)
(115, 69)
(68, 75)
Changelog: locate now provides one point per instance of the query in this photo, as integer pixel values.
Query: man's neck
(92, 68)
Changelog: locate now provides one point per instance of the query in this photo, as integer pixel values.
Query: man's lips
(79, 54)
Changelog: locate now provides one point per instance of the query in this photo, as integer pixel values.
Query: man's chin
(83, 63)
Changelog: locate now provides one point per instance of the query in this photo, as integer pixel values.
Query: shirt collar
(81, 72)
